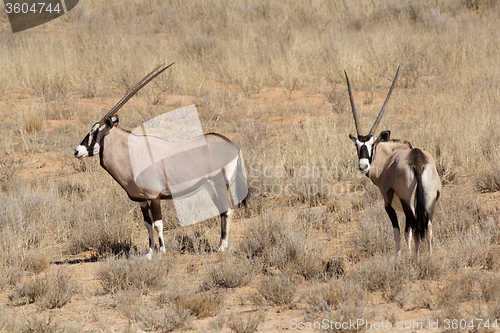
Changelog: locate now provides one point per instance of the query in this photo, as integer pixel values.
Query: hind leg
(410, 227)
(428, 232)
(428, 236)
(395, 226)
(225, 223)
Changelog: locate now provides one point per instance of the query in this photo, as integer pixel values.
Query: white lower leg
(428, 235)
(397, 239)
(159, 227)
(151, 240)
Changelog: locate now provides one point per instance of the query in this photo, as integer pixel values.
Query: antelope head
(91, 144)
(365, 144)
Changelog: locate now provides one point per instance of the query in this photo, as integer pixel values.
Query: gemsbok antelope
(406, 176)
(112, 144)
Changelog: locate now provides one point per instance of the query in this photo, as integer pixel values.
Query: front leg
(151, 234)
(148, 222)
(158, 222)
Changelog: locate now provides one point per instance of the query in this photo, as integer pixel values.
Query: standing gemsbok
(406, 176)
(113, 145)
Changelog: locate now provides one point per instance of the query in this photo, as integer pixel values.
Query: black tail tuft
(422, 216)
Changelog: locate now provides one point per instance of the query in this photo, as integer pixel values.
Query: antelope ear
(110, 122)
(384, 136)
(353, 138)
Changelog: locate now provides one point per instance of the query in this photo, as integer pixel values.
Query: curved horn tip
(381, 113)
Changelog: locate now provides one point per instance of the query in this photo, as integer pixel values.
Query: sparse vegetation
(136, 273)
(279, 290)
(231, 273)
(54, 290)
(247, 324)
(314, 237)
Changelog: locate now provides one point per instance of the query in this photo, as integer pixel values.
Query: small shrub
(284, 246)
(202, 305)
(327, 297)
(494, 311)
(374, 235)
(134, 273)
(278, 290)
(488, 181)
(164, 320)
(60, 292)
(38, 324)
(36, 261)
(54, 290)
(333, 268)
(189, 241)
(493, 258)
(345, 313)
(231, 273)
(9, 169)
(417, 298)
(99, 225)
(430, 268)
(446, 172)
(383, 274)
(489, 285)
(10, 275)
(238, 324)
(29, 292)
(458, 289)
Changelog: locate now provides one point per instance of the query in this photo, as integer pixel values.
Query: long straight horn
(148, 78)
(356, 119)
(381, 113)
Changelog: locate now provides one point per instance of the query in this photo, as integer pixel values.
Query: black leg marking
(146, 213)
(223, 225)
(390, 211)
(410, 217)
(155, 208)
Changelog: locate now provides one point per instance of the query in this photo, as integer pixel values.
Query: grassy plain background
(270, 75)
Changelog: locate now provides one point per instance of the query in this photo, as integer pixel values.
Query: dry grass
(270, 75)
(135, 273)
(54, 290)
(279, 242)
(202, 305)
(233, 272)
(383, 274)
(164, 320)
(279, 290)
(329, 296)
(245, 324)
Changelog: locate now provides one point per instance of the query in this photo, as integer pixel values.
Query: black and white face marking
(90, 144)
(364, 146)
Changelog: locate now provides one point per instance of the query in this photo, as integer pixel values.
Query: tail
(422, 216)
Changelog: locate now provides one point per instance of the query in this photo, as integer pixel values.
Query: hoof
(222, 246)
